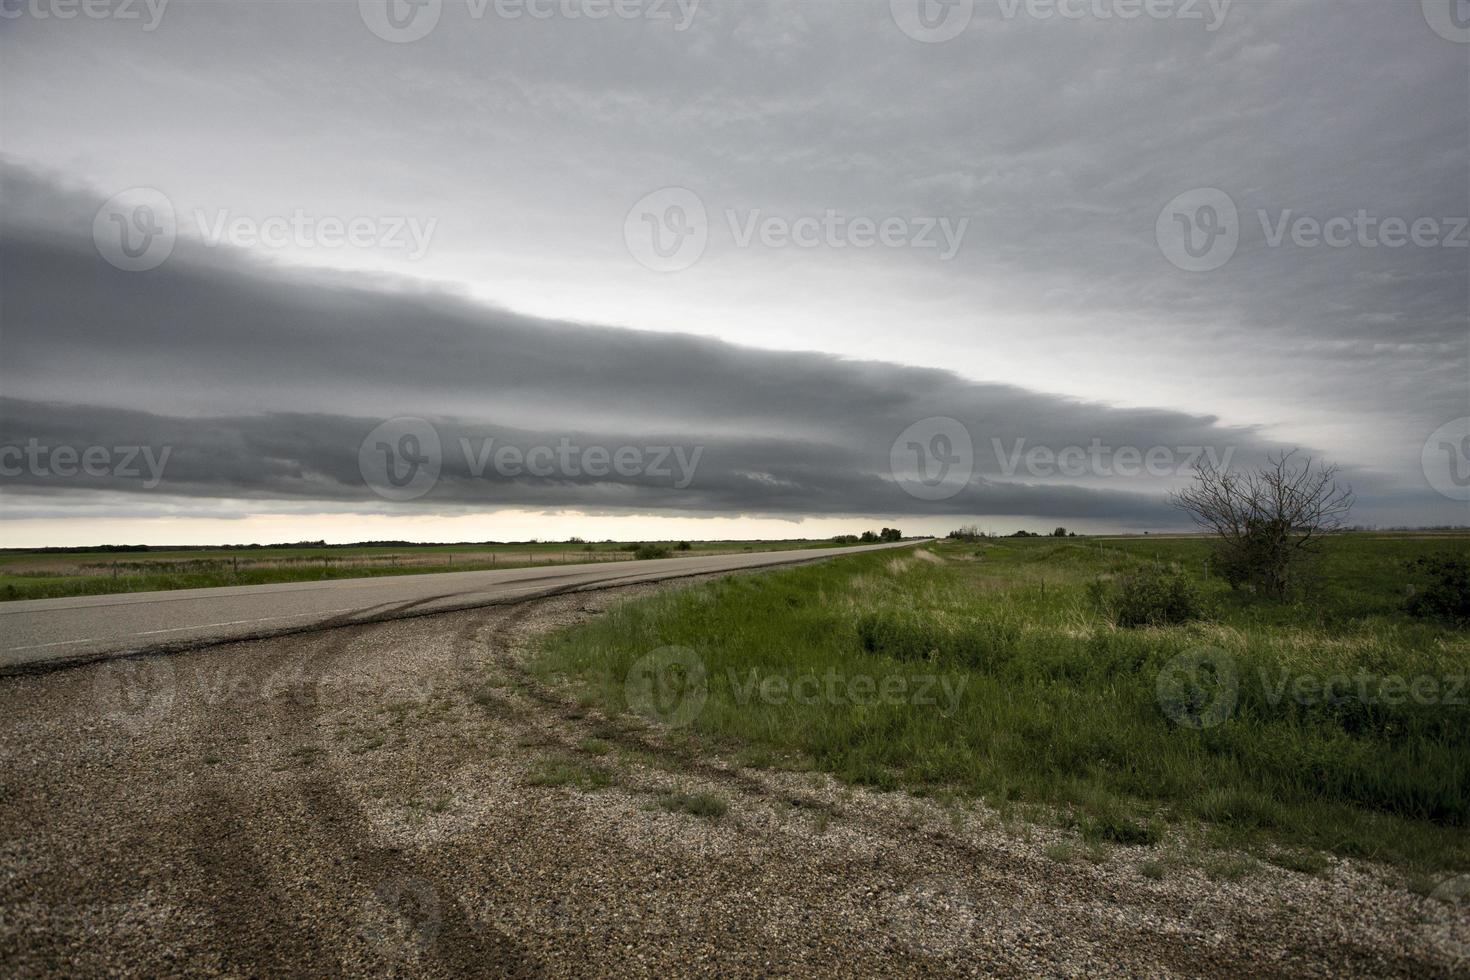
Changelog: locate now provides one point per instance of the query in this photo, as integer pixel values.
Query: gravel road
(374, 800)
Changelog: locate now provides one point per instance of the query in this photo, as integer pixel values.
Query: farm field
(59, 573)
(1333, 726)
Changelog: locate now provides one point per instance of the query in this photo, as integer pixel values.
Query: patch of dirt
(364, 801)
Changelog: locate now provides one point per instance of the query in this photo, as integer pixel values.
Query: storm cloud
(519, 149)
(184, 357)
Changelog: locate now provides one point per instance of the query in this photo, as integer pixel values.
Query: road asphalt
(42, 634)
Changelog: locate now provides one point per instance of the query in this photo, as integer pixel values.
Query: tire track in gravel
(335, 833)
(243, 892)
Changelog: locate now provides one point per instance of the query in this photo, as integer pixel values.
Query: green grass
(990, 673)
(48, 575)
(569, 772)
(1304, 862)
(1153, 869)
(705, 805)
(1061, 853)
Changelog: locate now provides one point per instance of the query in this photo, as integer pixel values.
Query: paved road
(44, 633)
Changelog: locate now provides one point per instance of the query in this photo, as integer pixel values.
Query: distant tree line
(971, 532)
(870, 537)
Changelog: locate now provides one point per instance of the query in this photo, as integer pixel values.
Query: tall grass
(1056, 705)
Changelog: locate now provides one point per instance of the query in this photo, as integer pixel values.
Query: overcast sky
(793, 245)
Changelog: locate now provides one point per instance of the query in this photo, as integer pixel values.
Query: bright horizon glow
(507, 526)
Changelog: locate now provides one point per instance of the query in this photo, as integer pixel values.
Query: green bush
(1444, 592)
(644, 551)
(1147, 597)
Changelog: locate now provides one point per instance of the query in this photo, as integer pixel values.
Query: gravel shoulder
(404, 798)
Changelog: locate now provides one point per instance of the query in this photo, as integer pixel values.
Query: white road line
(182, 629)
(42, 646)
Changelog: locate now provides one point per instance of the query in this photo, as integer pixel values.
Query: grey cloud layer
(264, 384)
(1061, 139)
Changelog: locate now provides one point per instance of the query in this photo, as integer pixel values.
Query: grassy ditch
(1335, 724)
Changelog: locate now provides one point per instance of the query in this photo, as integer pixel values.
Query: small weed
(705, 805)
(1062, 853)
(1229, 867)
(1305, 862)
(486, 697)
(1117, 829)
(1153, 869)
(567, 772)
(307, 755)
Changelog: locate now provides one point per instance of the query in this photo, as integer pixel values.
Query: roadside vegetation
(1121, 687)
